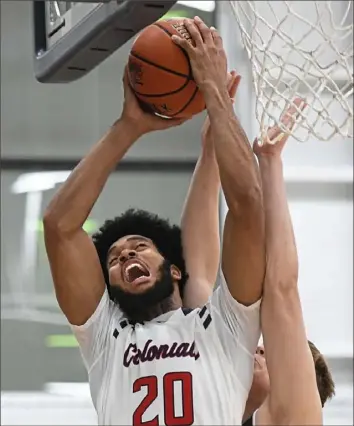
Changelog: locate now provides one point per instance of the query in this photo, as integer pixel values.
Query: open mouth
(135, 273)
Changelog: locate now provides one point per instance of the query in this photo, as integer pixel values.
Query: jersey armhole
(235, 304)
(101, 305)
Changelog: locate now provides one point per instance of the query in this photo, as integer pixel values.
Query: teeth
(133, 265)
(129, 267)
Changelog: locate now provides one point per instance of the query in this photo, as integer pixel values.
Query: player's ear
(175, 273)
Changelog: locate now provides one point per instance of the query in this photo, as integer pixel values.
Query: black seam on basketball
(179, 74)
(186, 105)
(181, 49)
(164, 94)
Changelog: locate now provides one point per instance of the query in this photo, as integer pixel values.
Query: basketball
(160, 72)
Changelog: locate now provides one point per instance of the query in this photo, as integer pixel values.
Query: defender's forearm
(293, 397)
(282, 260)
(238, 168)
(200, 220)
(73, 202)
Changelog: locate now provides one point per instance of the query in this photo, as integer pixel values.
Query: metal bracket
(87, 34)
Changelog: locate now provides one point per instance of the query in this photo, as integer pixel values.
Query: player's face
(140, 278)
(133, 264)
(260, 385)
(261, 377)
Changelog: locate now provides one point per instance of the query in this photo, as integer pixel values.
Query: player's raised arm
(294, 397)
(75, 267)
(200, 219)
(243, 256)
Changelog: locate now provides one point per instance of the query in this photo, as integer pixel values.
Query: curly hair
(325, 383)
(166, 237)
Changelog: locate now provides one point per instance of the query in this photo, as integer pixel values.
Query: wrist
(208, 151)
(269, 160)
(215, 96)
(270, 164)
(128, 128)
(208, 163)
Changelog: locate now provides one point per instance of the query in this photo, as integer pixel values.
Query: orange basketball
(160, 72)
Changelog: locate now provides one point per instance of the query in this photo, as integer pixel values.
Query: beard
(153, 302)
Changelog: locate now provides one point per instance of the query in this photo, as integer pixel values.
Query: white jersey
(181, 368)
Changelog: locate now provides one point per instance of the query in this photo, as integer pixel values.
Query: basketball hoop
(301, 49)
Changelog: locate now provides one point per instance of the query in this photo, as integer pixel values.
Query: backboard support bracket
(87, 34)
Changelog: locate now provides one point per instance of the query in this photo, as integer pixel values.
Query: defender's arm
(200, 230)
(294, 397)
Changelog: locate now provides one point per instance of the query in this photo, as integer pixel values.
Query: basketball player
(298, 381)
(149, 361)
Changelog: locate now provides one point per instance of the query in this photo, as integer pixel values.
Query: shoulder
(106, 315)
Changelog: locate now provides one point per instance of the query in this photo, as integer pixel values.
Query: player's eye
(141, 246)
(112, 261)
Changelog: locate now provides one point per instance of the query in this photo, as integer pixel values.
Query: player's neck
(169, 304)
(163, 307)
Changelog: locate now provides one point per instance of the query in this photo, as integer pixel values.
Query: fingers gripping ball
(160, 72)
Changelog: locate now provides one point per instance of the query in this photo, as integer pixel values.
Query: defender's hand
(206, 54)
(142, 122)
(276, 139)
(233, 81)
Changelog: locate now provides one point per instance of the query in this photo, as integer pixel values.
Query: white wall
(60, 404)
(324, 232)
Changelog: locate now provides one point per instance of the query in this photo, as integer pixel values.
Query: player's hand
(142, 122)
(233, 81)
(274, 142)
(206, 54)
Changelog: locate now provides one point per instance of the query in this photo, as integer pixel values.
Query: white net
(301, 49)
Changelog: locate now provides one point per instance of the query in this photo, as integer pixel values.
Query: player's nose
(126, 255)
(260, 350)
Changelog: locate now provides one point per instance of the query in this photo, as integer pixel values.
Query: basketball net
(301, 49)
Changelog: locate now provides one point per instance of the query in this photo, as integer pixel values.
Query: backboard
(71, 38)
